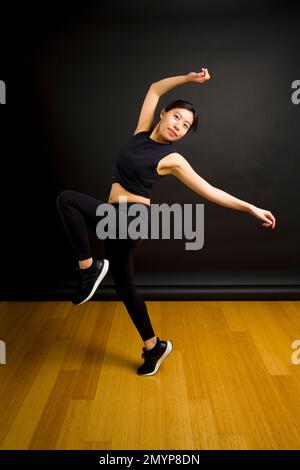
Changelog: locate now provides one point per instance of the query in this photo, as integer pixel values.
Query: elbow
(154, 88)
(209, 192)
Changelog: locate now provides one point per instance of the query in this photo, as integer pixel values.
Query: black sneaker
(89, 280)
(154, 357)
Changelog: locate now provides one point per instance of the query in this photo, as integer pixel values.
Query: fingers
(270, 220)
(203, 73)
(206, 73)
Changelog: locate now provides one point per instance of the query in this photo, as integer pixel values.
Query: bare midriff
(117, 190)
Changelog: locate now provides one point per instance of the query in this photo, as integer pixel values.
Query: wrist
(250, 208)
(188, 79)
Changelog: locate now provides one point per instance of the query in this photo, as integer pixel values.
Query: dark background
(76, 76)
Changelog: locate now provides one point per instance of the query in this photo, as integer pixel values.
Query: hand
(198, 77)
(264, 215)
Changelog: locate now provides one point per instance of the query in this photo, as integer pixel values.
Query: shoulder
(172, 159)
(169, 163)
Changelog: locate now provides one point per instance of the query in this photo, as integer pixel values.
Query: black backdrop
(76, 76)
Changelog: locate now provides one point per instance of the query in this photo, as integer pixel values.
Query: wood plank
(70, 380)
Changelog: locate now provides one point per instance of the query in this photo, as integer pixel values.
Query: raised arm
(166, 84)
(157, 89)
(177, 165)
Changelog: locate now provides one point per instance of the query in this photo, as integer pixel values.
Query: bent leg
(78, 211)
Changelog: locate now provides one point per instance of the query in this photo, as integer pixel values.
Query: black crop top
(136, 164)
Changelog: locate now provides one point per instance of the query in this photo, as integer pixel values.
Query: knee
(64, 197)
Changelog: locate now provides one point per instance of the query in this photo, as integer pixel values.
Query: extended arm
(181, 168)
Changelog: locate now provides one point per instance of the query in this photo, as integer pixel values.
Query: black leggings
(78, 211)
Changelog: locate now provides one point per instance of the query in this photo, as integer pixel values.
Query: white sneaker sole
(163, 357)
(99, 279)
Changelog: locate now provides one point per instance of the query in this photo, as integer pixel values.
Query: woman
(149, 155)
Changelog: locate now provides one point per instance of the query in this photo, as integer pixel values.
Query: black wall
(75, 79)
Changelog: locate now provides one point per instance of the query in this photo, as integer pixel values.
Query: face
(178, 120)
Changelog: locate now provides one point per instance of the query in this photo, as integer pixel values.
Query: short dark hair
(185, 105)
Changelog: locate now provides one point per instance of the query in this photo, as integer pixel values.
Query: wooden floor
(70, 379)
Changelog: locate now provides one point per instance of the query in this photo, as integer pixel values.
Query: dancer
(148, 155)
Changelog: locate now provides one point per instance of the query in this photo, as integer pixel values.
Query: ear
(163, 111)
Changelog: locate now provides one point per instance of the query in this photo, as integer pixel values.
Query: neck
(156, 135)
